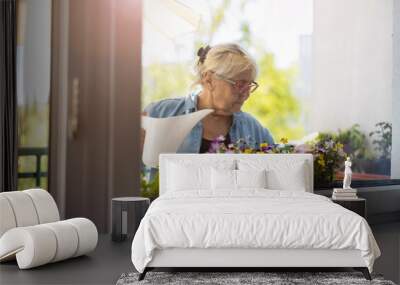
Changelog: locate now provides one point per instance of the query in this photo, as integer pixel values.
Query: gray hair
(227, 60)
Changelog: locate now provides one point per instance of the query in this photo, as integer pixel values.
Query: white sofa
(31, 231)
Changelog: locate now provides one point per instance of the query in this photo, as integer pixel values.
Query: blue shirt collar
(191, 102)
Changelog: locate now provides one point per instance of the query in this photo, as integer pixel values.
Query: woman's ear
(207, 81)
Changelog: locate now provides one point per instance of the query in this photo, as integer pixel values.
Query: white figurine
(347, 174)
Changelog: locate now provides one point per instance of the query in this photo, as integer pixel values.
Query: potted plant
(327, 152)
(329, 157)
(382, 141)
(149, 189)
(355, 145)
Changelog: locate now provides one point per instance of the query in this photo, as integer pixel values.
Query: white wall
(352, 64)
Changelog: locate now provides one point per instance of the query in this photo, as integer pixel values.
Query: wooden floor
(110, 260)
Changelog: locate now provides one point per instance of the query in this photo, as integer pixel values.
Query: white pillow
(281, 174)
(223, 179)
(294, 179)
(189, 176)
(183, 177)
(251, 178)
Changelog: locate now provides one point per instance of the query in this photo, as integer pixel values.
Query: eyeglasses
(240, 85)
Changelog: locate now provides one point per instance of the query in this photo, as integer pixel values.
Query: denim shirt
(244, 125)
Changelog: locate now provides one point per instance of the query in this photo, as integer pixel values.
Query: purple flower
(220, 138)
(214, 146)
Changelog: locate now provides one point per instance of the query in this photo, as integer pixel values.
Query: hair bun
(202, 53)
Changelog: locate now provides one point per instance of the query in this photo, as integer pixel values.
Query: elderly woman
(226, 74)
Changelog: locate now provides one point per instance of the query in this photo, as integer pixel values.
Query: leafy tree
(162, 81)
(273, 103)
(382, 139)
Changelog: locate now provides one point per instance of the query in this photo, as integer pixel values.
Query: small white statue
(347, 174)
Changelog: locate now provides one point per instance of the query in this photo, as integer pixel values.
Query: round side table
(127, 212)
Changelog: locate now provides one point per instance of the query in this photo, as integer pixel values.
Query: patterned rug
(230, 278)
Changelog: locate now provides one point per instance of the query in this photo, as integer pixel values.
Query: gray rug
(229, 278)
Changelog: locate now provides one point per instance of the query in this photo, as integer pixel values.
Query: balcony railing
(37, 152)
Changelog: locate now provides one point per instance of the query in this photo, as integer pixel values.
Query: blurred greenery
(354, 142)
(273, 104)
(149, 189)
(356, 145)
(162, 81)
(27, 183)
(382, 139)
(33, 131)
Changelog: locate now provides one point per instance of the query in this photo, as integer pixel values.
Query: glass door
(33, 91)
